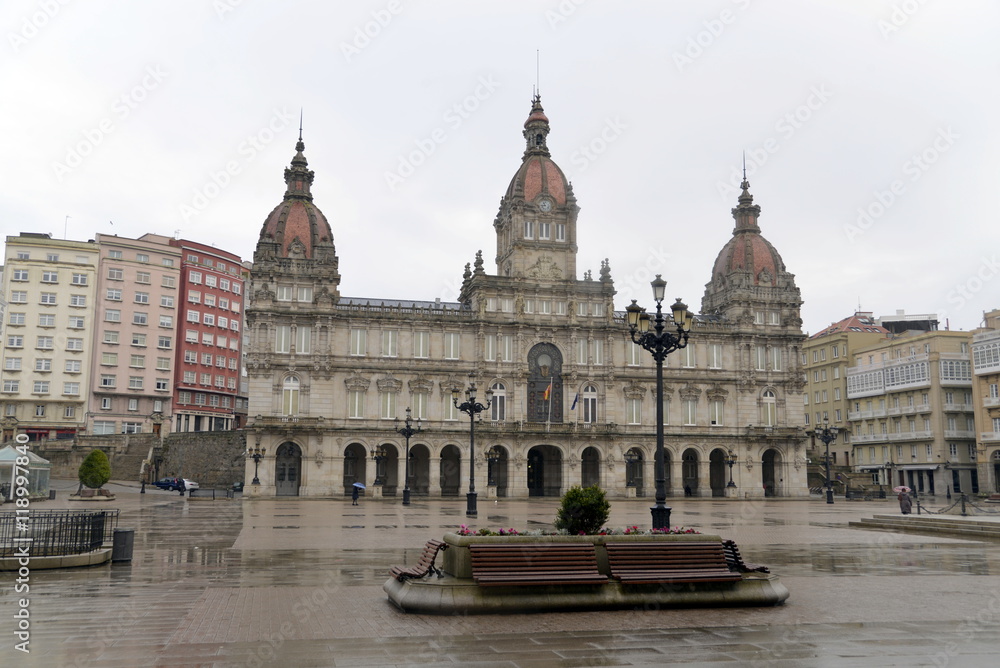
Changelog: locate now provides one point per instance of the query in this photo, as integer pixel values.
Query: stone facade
(573, 399)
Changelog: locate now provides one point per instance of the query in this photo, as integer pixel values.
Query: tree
(95, 470)
(584, 510)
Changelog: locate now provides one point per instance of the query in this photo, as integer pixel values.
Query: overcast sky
(869, 128)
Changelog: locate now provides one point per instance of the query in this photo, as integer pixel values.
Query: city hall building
(573, 399)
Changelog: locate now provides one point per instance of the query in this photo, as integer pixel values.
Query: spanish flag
(548, 391)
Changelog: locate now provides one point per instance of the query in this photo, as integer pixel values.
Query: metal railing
(49, 533)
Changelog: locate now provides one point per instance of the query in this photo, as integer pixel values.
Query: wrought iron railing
(48, 533)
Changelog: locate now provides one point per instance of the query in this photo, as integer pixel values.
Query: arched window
(290, 396)
(768, 408)
(498, 410)
(589, 397)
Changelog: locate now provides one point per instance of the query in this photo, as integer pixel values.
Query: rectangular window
(43, 364)
(44, 342)
(142, 257)
(715, 356)
(389, 343)
(15, 341)
(11, 386)
(163, 364)
(715, 407)
(760, 358)
(16, 319)
(490, 348)
(167, 301)
(109, 359)
(135, 382)
(47, 320)
(107, 381)
(283, 293)
(633, 411)
(133, 404)
(529, 229)
(387, 405)
(112, 315)
(76, 322)
(19, 275)
(208, 319)
(633, 354)
(167, 321)
(303, 340)
(50, 277)
(193, 316)
(48, 298)
(139, 318)
(142, 277)
(419, 405)
(103, 428)
(507, 348)
(776, 361)
(137, 361)
(74, 344)
(450, 410)
(303, 294)
(451, 345)
(194, 277)
(560, 232)
(690, 408)
(543, 230)
(421, 344)
(139, 340)
(116, 274)
(283, 339)
(355, 404)
(12, 364)
(688, 358)
(19, 297)
(168, 281)
(142, 298)
(194, 297)
(359, 342)
(210, 280)
(598, 349)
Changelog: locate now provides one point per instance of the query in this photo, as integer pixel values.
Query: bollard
(121, 545)
(52, 494)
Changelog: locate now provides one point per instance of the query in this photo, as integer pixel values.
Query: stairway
(951, 525)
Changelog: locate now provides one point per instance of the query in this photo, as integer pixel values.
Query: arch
(287, 469)
(544, 471)
(545, 386)
(768, 408)
(689, 471)
(451, 470)
(420, 469)
(498, 409)
(290, 391)
(590, 467)
(497, 470)
(355, 466)
(588, 410)
(770, 472)
(717, 472)
(634, 468)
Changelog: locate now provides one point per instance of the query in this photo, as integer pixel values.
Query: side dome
(296, 228)
(748, 252)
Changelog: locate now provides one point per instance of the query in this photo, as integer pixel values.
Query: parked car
(169, 484)
(189, 484)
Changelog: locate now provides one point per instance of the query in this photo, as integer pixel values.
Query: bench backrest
(532, 557)
(684, 556)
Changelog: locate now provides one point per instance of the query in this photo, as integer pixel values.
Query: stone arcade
(572, 396)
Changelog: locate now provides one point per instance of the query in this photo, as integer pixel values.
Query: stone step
(933, 525)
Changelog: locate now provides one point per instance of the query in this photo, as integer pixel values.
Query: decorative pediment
(357, 383)
(389, 384)
(717, 393)
(690, 392)
(420, 385)
(634, 390)
(451, 383)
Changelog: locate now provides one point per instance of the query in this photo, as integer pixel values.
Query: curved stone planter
(457, 592)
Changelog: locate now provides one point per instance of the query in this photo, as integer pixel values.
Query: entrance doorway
(544, 471)
(451, 471)
(689, 472)
(769, 467)
(355, 463)
(590, 467)
(287, 469)
(717, 472)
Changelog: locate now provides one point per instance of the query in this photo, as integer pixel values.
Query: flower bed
(633, 530)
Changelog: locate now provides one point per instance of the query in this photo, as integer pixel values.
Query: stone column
(434, 475)
(704, 478)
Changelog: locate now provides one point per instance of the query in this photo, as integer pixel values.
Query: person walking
(354, 497)
(905, 503)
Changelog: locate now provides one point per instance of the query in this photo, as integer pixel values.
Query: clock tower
(536, 223)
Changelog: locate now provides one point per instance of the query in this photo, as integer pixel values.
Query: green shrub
(584, 510)
(95, 470)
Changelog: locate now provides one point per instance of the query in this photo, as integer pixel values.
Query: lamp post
(492, 457)
(256, 454)
(888, 467)
(631, 457)
(473, 408)
(828, 435)
(378, 456)
(651, 335)
(406, 432)
(730, 462)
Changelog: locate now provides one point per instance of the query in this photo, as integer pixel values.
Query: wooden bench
(735, 560)
(424, 565)
(669, 562)
(528, 564)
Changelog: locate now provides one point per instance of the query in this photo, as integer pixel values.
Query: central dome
(538, 174)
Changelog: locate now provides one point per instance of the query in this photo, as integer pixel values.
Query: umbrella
(360, 485)
(901, 488)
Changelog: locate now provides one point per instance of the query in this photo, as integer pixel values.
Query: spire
(536, 129)
(299, 177)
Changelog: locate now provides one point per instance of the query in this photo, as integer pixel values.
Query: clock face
(545, 205)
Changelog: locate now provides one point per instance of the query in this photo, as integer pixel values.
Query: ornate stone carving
(544, 267)
(357, 383)
(389, 384)
(690, 392)
(634, 390)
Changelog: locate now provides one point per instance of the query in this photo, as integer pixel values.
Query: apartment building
(986, 396)
(49, 288)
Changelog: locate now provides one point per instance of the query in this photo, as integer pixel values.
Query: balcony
(958, 408)
(959, 433)
(990, 436)
(990, 402)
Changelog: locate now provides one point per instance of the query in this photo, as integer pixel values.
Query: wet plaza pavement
(298, 582)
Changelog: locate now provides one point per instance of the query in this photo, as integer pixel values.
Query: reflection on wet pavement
(298, 583)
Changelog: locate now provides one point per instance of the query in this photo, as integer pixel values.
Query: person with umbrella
(356, 491)
(905, 503)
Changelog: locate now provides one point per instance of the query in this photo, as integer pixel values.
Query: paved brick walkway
(294, 582)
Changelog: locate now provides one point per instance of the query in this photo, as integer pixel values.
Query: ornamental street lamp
(492, 457)
(631, 458)
(828, 435)
(256, 453)
(378, 456)
(406, 432)
(473, 408)
(730, 461)
(659, 343)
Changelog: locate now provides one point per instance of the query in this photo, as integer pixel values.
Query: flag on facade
(575, 399)
(548, 391)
